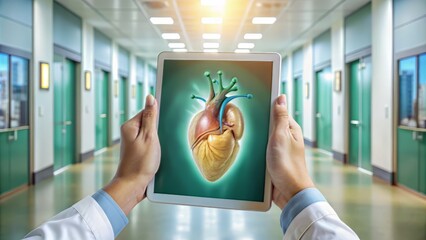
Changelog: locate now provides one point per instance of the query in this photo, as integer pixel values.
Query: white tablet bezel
(275, 59)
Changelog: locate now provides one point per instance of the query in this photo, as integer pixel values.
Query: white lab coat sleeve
(309, 216)
(319, 221)
(84, 220)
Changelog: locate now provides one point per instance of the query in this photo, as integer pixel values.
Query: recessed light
(211, 36)
(211, 45)
(210, 50)
(246, 45)
(211, 20)
(180, 50)
(213, 3)
(264, 20)
(176, 45)
(161, 20)
(253, 36)
(170, 36)
(242, 50)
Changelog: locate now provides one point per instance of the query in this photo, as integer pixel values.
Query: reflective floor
(372, 208)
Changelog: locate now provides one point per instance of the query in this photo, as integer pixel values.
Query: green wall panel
(358, 30)
(410, 35)
(67, 28)
(298, 61)
(322, 48)
(406, 11)
(16, 20)
(102, 45)
(20, 11)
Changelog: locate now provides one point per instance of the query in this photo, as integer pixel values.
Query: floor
(372, 208)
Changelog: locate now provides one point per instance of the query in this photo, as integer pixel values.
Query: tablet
(213, 127)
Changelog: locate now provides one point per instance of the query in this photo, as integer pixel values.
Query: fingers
(149, 116)
(295, 129)
(280, 113)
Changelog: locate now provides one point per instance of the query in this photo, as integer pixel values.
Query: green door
(283, 87)
(64, 116)
(123, 100)
(360, 113)
(19, 152)
(422, 162)
(298, 100)
(4, 162)
(408, 162)
(139, 95)
(323, 107)
(102, 109)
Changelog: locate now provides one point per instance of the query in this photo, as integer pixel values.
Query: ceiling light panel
(211, 45)
(253, 36)
(176, 45)
(211, 20)
(264, 20)
(246, 45)
(211, 36)
(213, 3)
(170, 36)
(161, 20)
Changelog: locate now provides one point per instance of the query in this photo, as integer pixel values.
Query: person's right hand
(286, 155)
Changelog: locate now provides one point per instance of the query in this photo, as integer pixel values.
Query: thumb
(280, 113)
(149, 115)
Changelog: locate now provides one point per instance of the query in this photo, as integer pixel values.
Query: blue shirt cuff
(297, 203)
(115, 215)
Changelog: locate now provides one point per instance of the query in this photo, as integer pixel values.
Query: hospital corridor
(75, 75)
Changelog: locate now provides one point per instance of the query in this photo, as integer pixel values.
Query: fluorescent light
(242, 50)
(210, 50)
(246, 45)
(180, 50)
(176, 45)
(216, 3)
(161, 20)
(211, 36)
(211, 20)
(253, 36)
(211, 45)
(170, 36)
(264, 20)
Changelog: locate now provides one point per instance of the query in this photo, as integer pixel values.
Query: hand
(139, 158)
(286, 155)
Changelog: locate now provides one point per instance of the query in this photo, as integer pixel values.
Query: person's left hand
(139, 157)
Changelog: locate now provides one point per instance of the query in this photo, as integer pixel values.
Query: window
(412, 91)
(14, 77)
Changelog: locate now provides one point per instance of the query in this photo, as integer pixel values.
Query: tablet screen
(200, 155)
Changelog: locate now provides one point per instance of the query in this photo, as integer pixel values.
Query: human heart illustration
(214, 133)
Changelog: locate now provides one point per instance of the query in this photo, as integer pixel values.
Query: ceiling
(127, 22)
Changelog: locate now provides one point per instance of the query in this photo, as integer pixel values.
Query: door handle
(13, 137)
(420, 136)
(67, 123)
(64, 130)
(318, 115)
(355, 122)
(414, 135)
(103, 115)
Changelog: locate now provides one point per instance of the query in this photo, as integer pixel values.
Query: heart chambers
(214, 133)
(214, 152)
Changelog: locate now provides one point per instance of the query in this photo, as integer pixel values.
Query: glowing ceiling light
(242, 50)
(213, 3)
(211, 20)
(210, 50)
(180, 50)
(161, 20)
(170, 36)
(176, 45)
(211, 36)
(211, 45)
(246, 45)
(264, 20)
(253, 36)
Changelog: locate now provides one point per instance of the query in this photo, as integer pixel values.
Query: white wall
(114, 110)
(308, 103)
(339, 111)
(132, 110)
(381, 89)
(86, 114)
(42, 100)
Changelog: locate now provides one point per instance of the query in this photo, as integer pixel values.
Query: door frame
(314, 106)
(105, 69)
